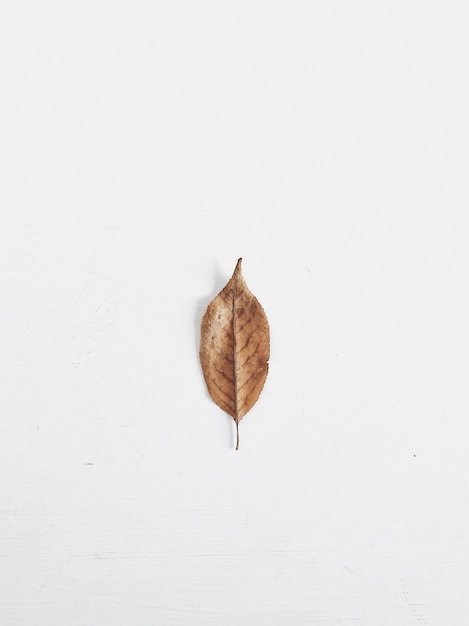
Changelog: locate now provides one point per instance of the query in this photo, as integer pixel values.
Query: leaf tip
(237, 270)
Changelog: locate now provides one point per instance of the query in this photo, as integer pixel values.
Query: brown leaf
(235, 348)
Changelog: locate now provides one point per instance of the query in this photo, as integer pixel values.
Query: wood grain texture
(235, 348)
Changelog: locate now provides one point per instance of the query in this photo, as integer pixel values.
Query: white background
(145, 146)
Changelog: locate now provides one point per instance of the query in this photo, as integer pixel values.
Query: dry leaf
(235, 348)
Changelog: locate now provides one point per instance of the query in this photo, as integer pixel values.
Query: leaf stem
(237, 435)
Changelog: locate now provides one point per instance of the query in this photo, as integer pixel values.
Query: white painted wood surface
(144, 148)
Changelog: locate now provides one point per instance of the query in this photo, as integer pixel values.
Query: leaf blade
(235, 348)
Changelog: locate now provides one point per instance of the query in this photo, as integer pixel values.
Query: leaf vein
(240, 330)
(223, 392)
(224, 374)
(253, 353)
